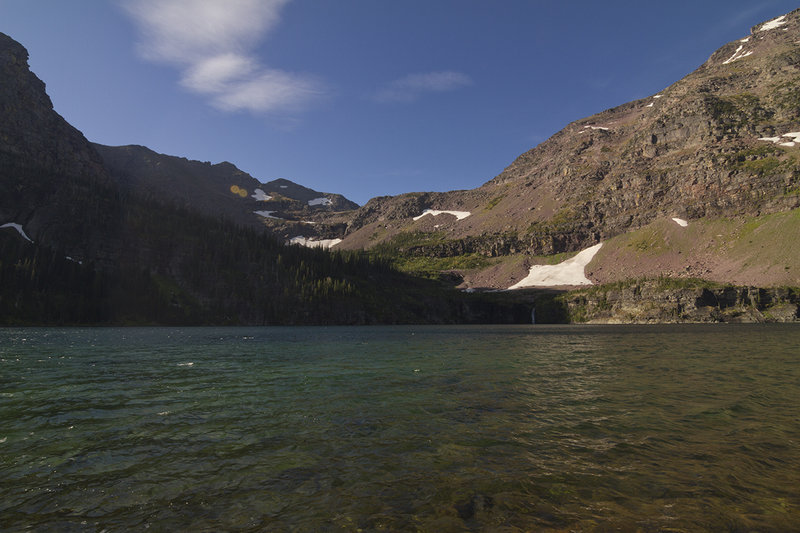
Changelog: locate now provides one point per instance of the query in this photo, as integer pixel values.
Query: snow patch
(790, 139)
(658, 96)
(569, 272)
(284, 186)
(460, 215)
(603, 128)
(774, 23)
(745, 40)
(737, 55)
(679, 221)
(320, 201)
(649, 105)
(267, 214)
(261, 196)
(310, 243)
(19, 229)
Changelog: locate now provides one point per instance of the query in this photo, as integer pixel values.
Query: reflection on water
(406, 428)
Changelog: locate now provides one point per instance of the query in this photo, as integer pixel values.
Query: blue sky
(361, 97)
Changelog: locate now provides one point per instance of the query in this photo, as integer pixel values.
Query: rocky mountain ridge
(281, 207)
(724, 141)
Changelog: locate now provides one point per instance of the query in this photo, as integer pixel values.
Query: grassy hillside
(757, 251)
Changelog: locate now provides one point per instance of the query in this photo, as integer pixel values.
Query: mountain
(718, 151)
(99, 235)
(665, 203)
(282, 207)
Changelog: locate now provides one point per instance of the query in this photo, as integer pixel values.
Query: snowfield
(460, 215)
(601, 128)
(261, 196)
(679, 221)
(790, 139)
(309, 243)
(738, 54)
(774, 23)
(320, 201)
(569, 272)
(267, 214)
(19, 229)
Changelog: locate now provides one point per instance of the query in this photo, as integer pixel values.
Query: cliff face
(52, 182)
(664, 301)
(716, 143)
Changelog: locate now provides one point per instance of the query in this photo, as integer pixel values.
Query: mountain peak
(45, 162)
(790, 19)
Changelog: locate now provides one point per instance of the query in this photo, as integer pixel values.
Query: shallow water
(510, 428)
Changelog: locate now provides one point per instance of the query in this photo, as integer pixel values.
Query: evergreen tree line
(157, 263)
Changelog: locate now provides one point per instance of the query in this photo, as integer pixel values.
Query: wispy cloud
(211, 42)
(414, 86)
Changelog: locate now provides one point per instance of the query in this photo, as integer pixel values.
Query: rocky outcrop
(29, 127)
(496, 245)
(668, 301)
(383, 208)
(309, 198)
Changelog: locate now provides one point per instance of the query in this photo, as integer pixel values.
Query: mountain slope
(224, 190)
(723, 141)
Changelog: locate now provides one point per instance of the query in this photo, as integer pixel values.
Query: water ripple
(407, 428)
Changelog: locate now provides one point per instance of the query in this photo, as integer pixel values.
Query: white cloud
(212, 75)
(211, 42)
(413, 86)
(269, 90)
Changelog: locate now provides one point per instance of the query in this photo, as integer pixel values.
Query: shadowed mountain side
(220, 189)
(77, 247)
(52, 181)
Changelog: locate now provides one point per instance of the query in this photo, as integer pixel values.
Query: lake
(412, 428)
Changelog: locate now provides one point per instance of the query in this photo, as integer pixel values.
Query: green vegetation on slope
(407, 252)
